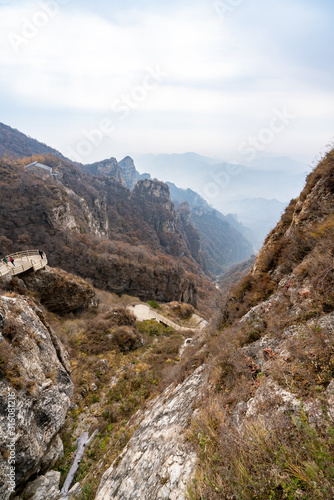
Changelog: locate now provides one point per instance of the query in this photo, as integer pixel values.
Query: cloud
(224, 75)
(82, 60)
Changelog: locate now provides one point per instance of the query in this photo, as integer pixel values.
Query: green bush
(153, 304)
(153, 328)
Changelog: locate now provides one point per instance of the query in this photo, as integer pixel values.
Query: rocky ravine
(35, 372)
(157, 463)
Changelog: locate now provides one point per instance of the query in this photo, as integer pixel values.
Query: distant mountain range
(224, 240)
(221, 182)
(256, 194)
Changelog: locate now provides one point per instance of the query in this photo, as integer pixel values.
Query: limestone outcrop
(108, 167)
(130, 174)
(35, 393)
(158, 462)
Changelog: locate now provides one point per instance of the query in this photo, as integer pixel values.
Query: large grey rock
(157, 463)
(60, 291)
(43, 488)
(35, 381)
(54, 453)
(130, 174)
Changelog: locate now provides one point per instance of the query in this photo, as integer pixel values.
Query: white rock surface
(158, 462)
(43, 488)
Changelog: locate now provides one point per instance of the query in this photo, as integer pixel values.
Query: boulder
(35, 392)
(60, 291)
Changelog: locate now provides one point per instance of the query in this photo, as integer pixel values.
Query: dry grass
(282, 454)
(137, 372)
(288, 460)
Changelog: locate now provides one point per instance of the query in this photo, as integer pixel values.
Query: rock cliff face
(154, 191)
(194, 240)
(35, 392)
(96, 228)
(147, 282)
(157, 462)
(124, 171)
(109, 167)
(130, 174)
(174, 230)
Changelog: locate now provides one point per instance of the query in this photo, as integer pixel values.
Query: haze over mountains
(261, 370)
(256, 193)
(269, 177)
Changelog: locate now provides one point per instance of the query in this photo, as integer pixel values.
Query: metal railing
(26, 260)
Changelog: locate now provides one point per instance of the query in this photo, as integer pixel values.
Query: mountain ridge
(242, 409)
(234, 246)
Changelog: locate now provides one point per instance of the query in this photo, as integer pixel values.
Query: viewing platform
(28, 259)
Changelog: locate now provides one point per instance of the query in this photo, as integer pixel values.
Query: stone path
(144, 312)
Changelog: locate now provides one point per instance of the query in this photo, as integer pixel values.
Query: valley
(166, 250)
(198, 369)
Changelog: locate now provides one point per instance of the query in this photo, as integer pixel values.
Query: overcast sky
(223, 78)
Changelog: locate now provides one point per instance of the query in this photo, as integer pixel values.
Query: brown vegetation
(118, 365)
(118, 243)
(264, 430)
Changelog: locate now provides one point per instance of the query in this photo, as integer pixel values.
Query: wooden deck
(29, 259)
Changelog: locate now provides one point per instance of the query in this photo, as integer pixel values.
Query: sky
(229, 79)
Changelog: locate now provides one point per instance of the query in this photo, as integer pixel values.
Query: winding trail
(144, 312)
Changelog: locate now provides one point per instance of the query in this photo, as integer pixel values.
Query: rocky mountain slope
(36, 390)
(18, 145)
(124, 171)
(226, 247)
(268, 418)
(223, 239)
(246, 411)
(127, 242)
(116, 364)
(109, 167)
(160, 461)
(130, 174)
(35, 381)
(262, 425)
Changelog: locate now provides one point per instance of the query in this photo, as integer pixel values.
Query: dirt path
(144, 312)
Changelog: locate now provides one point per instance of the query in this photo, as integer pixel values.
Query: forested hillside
(125, 242)
(15, 144)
